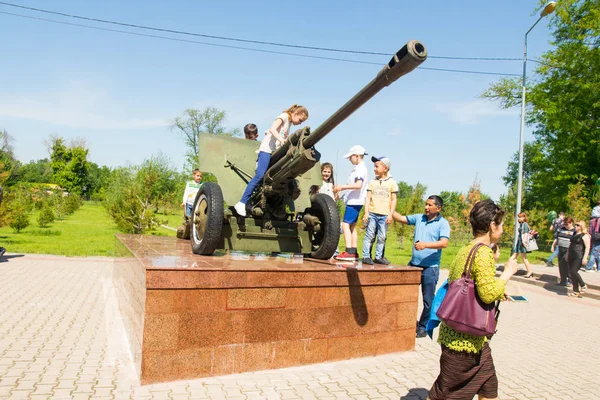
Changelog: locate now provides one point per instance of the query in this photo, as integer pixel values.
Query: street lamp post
(548, 9)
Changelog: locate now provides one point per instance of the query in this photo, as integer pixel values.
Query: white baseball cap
(358, 150)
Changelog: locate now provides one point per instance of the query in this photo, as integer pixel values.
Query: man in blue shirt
(432, 233)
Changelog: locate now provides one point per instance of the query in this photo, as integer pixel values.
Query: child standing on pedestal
(379, 207)
(189, 194)
(355, 199)
(274, 138)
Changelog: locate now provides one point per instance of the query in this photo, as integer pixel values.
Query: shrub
(46, 216)
(72, 203)
(20, 221)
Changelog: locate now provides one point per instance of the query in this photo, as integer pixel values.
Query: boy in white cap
(379, 207)
(356, 192)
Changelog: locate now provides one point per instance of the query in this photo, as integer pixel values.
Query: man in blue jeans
(432, 233)
(555, 227)
(594, 231)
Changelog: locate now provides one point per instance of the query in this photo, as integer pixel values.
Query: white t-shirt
(269, 144)
(327, 188)
(357, 197)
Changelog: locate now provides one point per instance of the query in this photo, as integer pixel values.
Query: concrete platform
(189, 316)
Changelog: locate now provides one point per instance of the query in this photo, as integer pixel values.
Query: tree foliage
(8, 162)
(563, 106)
(39, 171)
(69, 166)
(134, 193)
(192, 123)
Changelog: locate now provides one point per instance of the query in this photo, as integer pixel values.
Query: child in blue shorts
(356, 193)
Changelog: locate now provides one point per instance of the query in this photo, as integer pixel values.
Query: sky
(120, 91)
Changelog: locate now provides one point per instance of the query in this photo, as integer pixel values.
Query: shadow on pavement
(416, 394)
(6, 258)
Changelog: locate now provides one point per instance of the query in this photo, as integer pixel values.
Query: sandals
(530, 275)
(575, 294)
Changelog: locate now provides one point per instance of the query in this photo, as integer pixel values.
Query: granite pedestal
(190, 316)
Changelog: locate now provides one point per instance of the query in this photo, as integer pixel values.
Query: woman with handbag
(577, 257)
(521, 249)
(466, 364)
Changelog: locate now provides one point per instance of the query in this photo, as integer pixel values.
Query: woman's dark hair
(482, 215)
(569, 220)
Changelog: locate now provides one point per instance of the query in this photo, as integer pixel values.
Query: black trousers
(563, 266)
(574, 265)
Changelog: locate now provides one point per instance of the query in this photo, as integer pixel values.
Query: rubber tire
(324, 207)
(209, 205)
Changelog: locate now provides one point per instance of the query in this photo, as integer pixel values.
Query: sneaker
(589, 270)
(383, 261)
(569, 284)
(356, 257)
(549, 264)
(367, 260)
(345, 256)
(421, 333)
(240, 208)
(583, 288)
(2, 251)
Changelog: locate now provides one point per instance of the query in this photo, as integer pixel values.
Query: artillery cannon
(280, 219)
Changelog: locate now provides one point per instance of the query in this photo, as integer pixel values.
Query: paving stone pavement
(60, 338)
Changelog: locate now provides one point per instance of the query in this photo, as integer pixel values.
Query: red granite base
(205, 316)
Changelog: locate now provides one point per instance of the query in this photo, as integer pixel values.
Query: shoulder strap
(470, 259)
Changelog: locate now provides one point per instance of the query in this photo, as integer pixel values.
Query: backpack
(595, 229)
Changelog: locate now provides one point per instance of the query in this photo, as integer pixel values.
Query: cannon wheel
(207, 223)
(325, 241)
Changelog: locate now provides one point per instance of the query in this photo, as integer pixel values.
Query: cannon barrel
(409, 57)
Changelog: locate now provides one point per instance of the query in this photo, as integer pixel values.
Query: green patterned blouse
(489, 288)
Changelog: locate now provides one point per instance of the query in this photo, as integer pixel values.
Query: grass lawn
(88, 232)
(91, 232)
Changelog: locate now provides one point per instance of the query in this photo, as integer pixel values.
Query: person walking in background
(2, 249)
(555, 227)
(520, 250)
(563, 241)
(594, 232)
(577, 255)
(274, 138)
(432, 233)
(466, 364)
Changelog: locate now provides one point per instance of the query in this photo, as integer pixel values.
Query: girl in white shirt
(274, 138)
(328, 181)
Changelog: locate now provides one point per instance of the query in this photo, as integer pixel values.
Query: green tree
(562, 106)
(69, 166)
(96, 181)
(39, 171)
(8, 162)
(134, 193)
(409, 201)
(192, 123)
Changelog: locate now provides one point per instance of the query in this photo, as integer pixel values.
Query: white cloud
(77, 105)
(473, 112)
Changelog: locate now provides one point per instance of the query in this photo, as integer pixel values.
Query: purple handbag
(462, 309)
